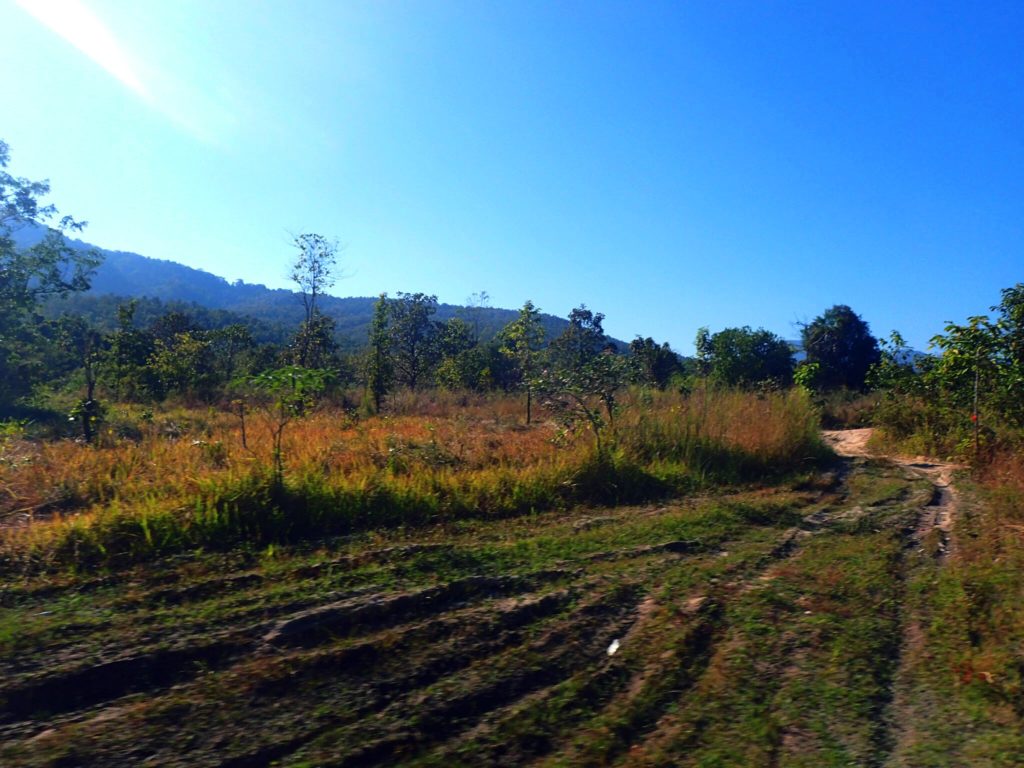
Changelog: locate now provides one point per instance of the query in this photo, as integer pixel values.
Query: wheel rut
(583, 657)
(932, 540)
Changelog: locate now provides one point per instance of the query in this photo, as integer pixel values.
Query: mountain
(277, 311)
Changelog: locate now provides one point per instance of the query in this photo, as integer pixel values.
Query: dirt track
(734, 619)
(940, 514)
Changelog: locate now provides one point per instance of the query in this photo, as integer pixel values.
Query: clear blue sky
(670, 164)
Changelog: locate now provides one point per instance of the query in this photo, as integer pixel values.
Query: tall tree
(27, 276)
(379, 370)
(313, 270)
(840, 342)
(313, 345)
(84, 344)
(460, 359)
(127, 369)
(982, 363)
(586, 368)
(655, 365)
(581, 341)
(230, 346)
(413, 337)
(183, 364)
(476, 304)
(579, 394)
(521, 341)
(744, 357)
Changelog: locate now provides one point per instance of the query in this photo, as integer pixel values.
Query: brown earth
(939, 515)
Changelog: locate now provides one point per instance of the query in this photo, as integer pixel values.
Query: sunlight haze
(671, 165)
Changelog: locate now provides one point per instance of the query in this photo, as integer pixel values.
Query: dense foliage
(840, 343)
(968, 400)
(27, 277)
(744, 357)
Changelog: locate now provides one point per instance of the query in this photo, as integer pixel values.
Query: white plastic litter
(613, 647)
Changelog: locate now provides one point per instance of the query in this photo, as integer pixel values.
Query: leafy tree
(293, 391)
(842, 345)
(413, 338)
(495, 369)
(462, 360)
(379, 370)
(581, 341)
(805, 376)
(30, 275)
(454, 338)
(744, 357)
(655, 365)
(895, 370)
(981, 369)
(183, 363)
(314, 270)
(172, 324)
(521, 342)
(1009, 394)
(582, 393)
(231, 348)
(313, 345)
(974, 368)
(1011, 324)
(960, 400)
(85, 344)
(128, 356)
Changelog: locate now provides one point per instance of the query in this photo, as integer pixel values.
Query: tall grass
(195, 485)
(978, 614)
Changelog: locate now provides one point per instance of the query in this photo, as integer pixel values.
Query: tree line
(577, 374)
(174, 354)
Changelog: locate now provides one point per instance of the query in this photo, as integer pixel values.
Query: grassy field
(736, 617)
(172, 482)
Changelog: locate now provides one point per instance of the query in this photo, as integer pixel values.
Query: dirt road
(940, 514)
(848, 442)
(774, 626)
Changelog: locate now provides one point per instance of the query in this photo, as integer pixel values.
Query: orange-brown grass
(764, 428)
(972, 661)
(1005, 470)
(186, 480)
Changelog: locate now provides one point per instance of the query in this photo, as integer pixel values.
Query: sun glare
(77, 24)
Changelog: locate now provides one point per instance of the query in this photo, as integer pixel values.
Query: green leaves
(293, 389)
(580, 394)
(744, 357)
(27, 276)
(842, 344)
(379, 369)
(413, 337)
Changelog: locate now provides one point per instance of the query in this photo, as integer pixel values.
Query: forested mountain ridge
(277, 312)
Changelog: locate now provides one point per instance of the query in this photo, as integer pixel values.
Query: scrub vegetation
(449, 548)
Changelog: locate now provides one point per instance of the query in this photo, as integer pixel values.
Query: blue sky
(672, 165)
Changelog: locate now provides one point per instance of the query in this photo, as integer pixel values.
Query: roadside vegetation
(452, 548)
(183, 479)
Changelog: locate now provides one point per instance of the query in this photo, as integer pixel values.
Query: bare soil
(940, 513)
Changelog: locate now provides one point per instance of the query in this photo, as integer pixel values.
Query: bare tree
(314, 269)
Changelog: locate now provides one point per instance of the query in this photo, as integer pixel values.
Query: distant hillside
(101, 310)
(124, 274)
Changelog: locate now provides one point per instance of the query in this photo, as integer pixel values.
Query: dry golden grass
(457, 455)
